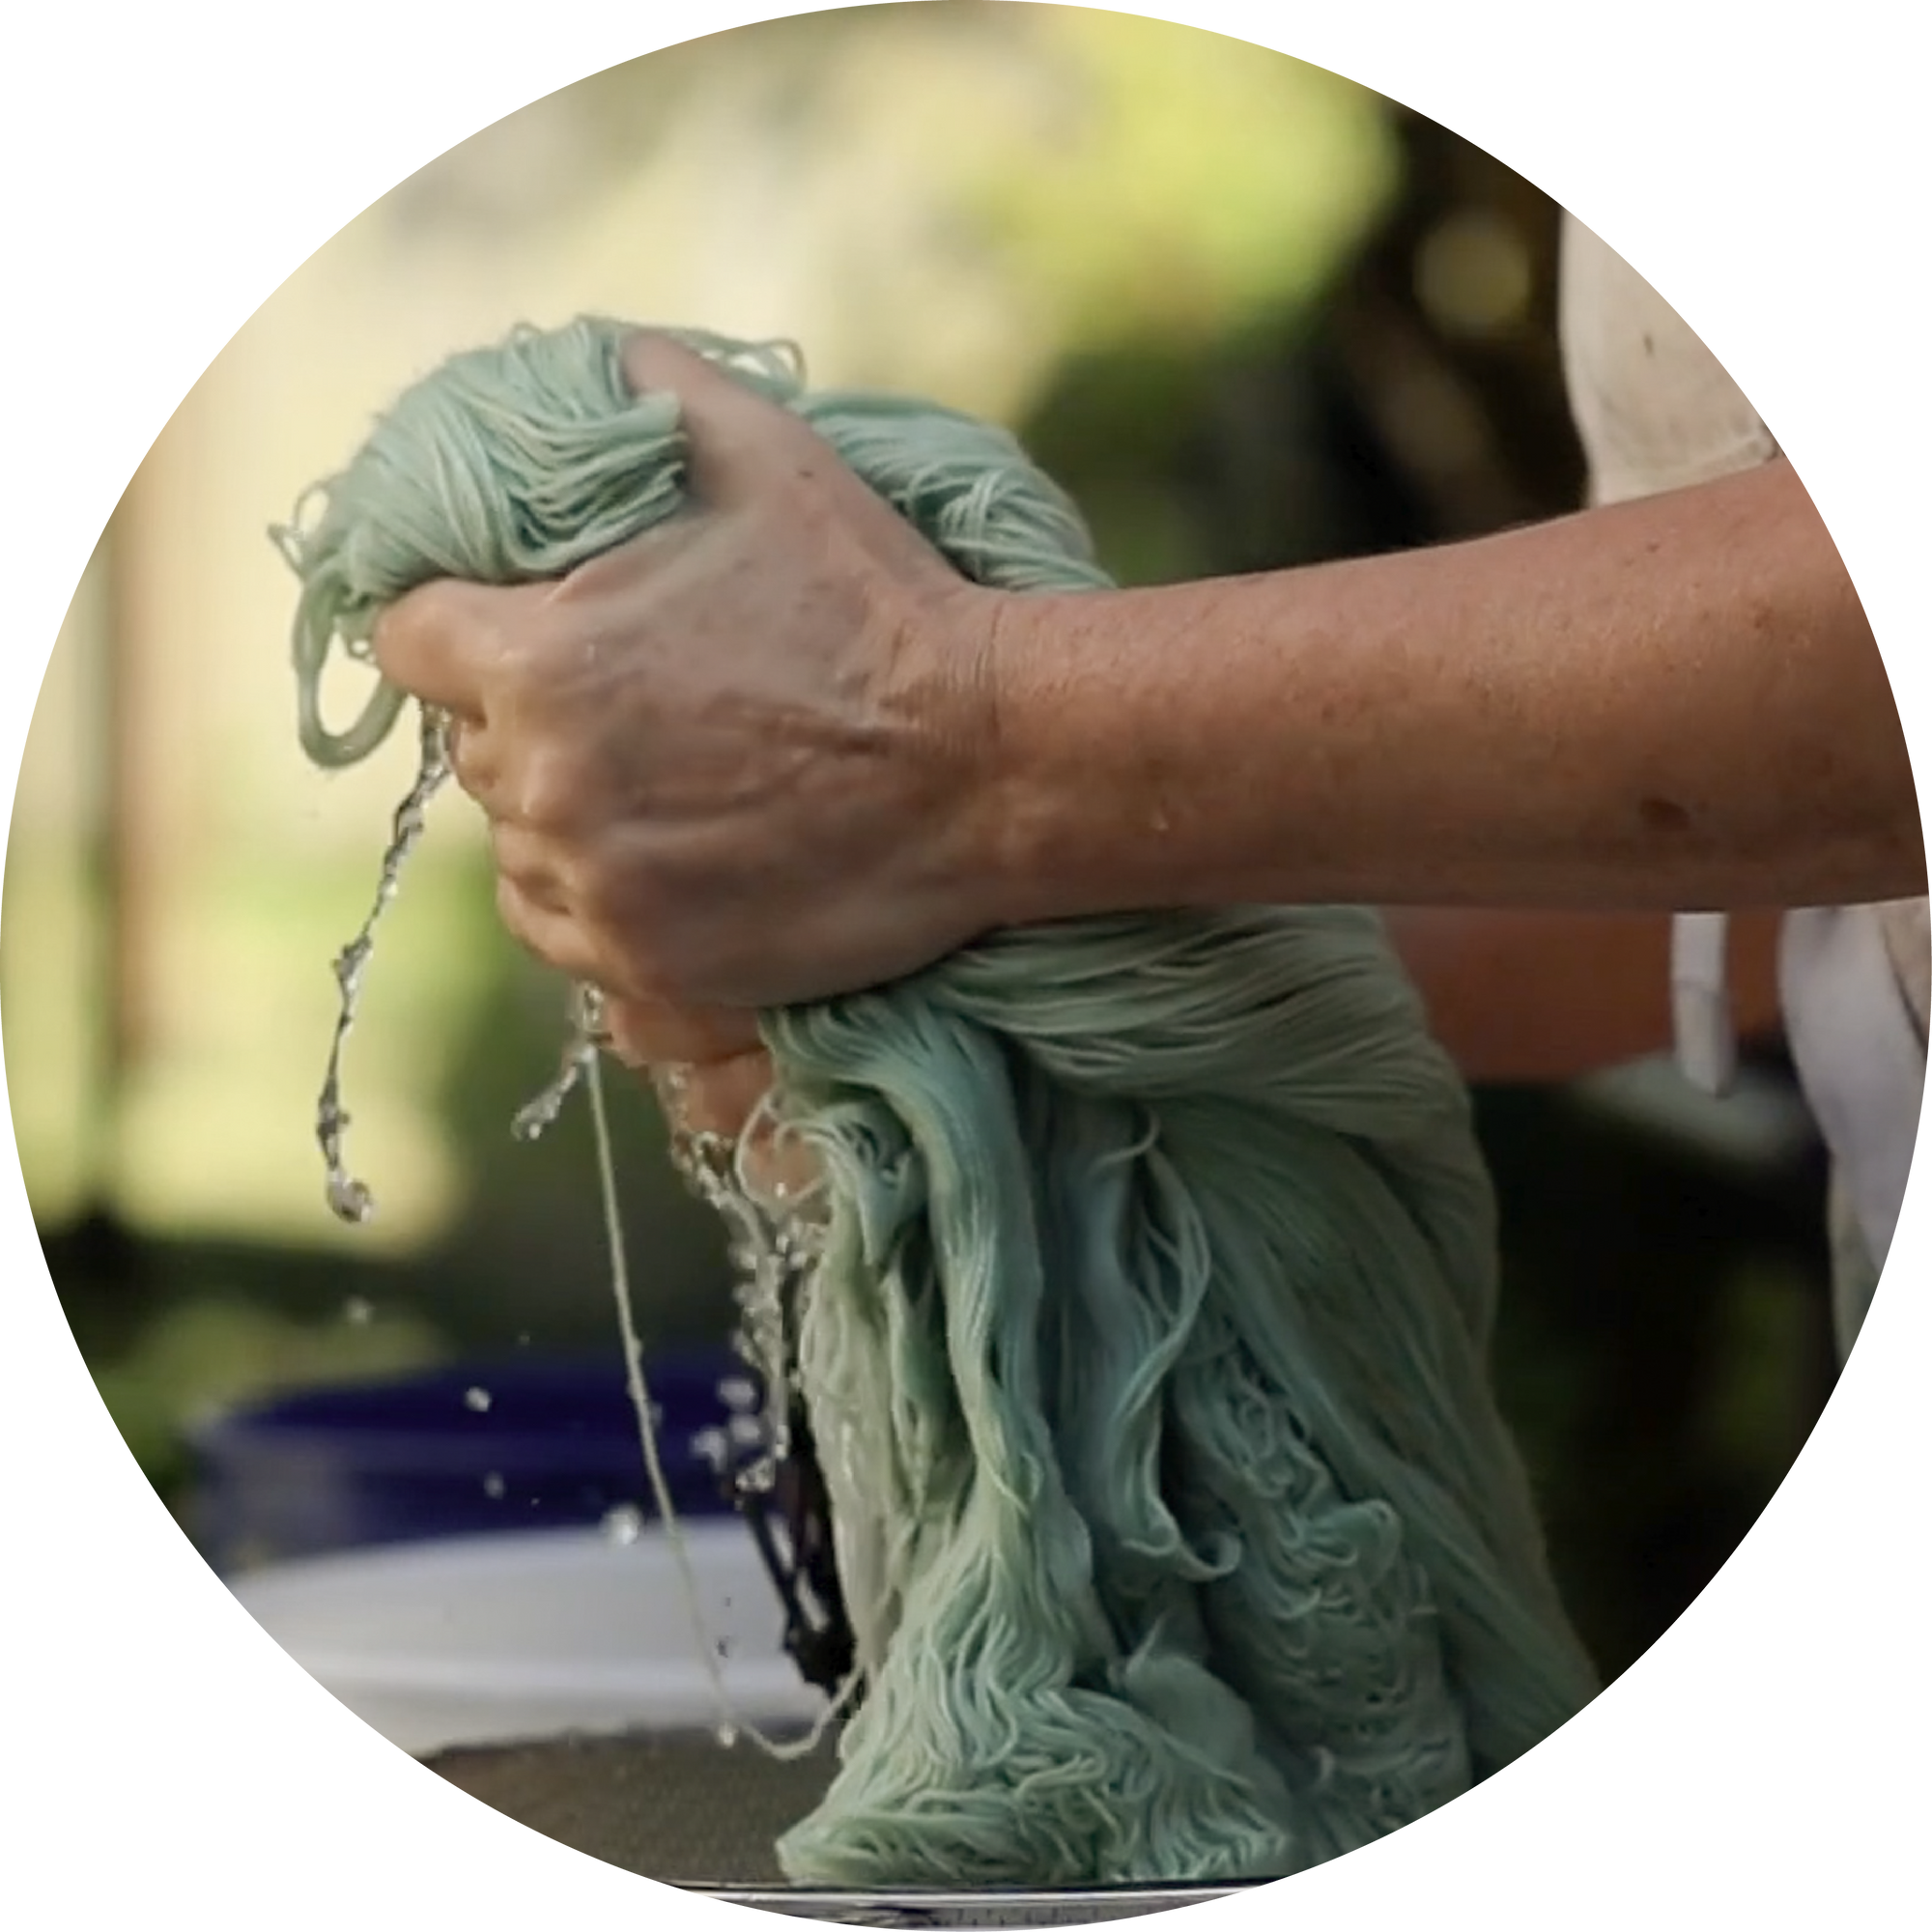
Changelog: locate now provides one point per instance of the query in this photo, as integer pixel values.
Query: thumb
(442, 641)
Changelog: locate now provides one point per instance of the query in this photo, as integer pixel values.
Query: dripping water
(350, 1198)
(771, 1247)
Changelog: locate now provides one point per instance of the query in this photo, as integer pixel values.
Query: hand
(740, 762)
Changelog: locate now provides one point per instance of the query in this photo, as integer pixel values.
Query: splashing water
(728, 1728)
(624, 1523)
(773, 1242)
(586, 1040)
(348, 1197)
(766, 1258)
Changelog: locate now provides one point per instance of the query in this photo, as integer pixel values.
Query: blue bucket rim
(322, 1419)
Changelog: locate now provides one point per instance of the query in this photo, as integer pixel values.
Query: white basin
(514, 1637)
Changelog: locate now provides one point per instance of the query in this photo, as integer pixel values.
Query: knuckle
(518, 857)
(518, 642)
(534, 628)
(404, 629)
(548, 789)
(470, 762)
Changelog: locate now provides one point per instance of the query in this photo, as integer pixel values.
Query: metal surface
(963, 1911)
(675, 1806)
(678, 1807)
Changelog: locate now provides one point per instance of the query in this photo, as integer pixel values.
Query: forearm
(1671, 703)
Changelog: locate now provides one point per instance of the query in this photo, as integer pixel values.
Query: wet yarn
(1146, 1352)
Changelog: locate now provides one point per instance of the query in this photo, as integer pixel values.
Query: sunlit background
(1250, 314)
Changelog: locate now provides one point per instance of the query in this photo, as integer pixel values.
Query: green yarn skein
(1147, 1358)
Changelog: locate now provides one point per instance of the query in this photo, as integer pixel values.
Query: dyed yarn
(1146, 1351)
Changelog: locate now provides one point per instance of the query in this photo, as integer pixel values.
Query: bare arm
(777, 749)
(1667, 704)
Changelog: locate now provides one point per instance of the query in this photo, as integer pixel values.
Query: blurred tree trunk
(1445, 337)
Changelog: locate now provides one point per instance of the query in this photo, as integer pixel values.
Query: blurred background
(1251, 315)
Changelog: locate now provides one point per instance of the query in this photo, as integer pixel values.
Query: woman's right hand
(742, 761)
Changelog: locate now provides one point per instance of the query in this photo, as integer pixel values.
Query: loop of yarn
(1147, 1357)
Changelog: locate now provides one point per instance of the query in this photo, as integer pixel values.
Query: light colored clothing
(1656, 411)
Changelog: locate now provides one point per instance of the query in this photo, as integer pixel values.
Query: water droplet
(737, 1392)
(726, 1734)
(492, 1485)
(477, 1399)
(723, 1646)
(524, 1340)
(624, 1523)
(359, 1311)
(349, 1200)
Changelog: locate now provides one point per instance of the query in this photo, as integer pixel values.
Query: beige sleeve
(1653, 406)
(1655, 410)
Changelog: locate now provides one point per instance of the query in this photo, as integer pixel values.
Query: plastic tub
(508, 1637)
(473, 1556)
(475, 1450)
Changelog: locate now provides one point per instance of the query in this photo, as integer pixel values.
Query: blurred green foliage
(1200, 184)
(198, 1356)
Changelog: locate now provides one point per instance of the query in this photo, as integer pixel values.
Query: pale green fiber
(1147, 1358)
